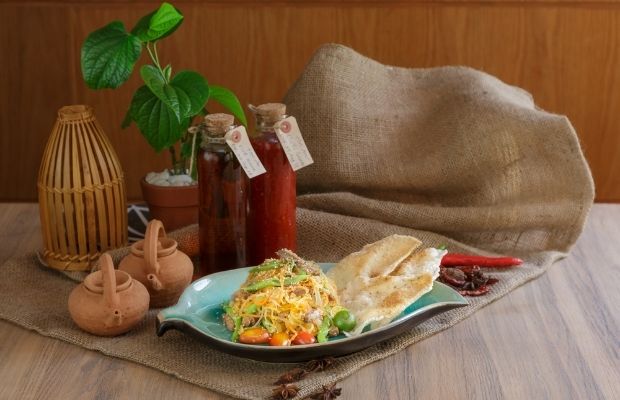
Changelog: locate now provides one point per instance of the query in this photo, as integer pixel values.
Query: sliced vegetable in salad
(286, 301)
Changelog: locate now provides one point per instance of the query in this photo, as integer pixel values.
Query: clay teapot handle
(110, 295)
(154, 230)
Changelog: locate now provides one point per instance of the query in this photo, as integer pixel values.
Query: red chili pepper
(455, 260)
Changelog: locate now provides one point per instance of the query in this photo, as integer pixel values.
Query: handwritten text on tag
(293, 143)
(237, 139)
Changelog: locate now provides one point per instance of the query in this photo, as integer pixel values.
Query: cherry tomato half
(280, 339)
(254, 336)
(304, 338)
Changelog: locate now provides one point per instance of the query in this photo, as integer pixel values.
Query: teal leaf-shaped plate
(199, 313)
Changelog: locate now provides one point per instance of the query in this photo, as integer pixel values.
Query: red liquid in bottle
(272, 202)
(222, 214)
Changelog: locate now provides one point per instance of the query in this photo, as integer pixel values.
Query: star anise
(319, 365)
(452, 276)
(293, 375)
(284, 392)
(468, 281)
(329, 392)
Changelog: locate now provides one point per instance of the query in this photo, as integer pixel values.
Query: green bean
(295, 279)
(323, 330)
(273, 282)
(251, 309)
(236, 319)
(262, 284)
(266, 266)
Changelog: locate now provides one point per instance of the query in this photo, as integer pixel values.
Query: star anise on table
(329, 392)
(284, 392)
(468, 281)
(293, 375)
(319, 365)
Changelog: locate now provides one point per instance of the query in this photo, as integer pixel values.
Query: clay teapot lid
(95, 282)
(165, 247)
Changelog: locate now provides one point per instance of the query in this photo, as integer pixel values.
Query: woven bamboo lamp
(81, 192)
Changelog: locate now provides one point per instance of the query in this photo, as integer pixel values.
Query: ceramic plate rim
(460, 303)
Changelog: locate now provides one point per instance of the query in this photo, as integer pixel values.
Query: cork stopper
(270, 112)
(219, 123)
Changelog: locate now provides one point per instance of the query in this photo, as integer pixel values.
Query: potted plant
(163, 108)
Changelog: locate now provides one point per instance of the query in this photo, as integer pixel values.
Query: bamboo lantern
(81, 192)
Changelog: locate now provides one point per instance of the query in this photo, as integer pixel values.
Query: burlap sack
(450, 155)
(450, 150)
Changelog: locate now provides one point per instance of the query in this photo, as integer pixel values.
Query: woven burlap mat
(36, 298)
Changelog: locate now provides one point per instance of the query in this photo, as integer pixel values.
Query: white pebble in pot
(160, 182)
(157, 178)
(180, 180)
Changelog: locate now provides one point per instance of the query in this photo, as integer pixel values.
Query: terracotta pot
(109, 302)
(156, 262)
(175, 206)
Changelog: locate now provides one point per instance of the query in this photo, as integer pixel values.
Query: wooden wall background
(566, 53)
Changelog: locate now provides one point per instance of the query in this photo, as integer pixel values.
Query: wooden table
(555, 338)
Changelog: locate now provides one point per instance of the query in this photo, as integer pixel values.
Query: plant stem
(192, 154)
(173, 156)
(155, 59)
(156, 56)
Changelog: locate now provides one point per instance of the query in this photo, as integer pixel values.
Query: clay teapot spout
(114, 319)
(156, 262)
(155, 282)
(108, 302)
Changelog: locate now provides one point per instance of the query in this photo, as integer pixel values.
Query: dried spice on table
(329, 392)
(463, 272)
(284, 391)
(294, 375)
(320, 364)
(467, 280)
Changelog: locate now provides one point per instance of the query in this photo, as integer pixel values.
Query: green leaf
(152, 76)
(167, 71)
(154, 79)
(158, 24)
(156, 120)
(141, 29)
(228, 99)
(109, 55)
(196, 88)
(165, 19)
(127, 120)
(185, 95)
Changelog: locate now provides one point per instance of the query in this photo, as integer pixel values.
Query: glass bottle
(223, 187)
(272, 199)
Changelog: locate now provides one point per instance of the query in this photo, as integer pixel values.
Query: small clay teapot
(109, 302)
(156, 262)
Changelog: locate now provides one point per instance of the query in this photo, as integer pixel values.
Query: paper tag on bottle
(293, 143)
(237, 139)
